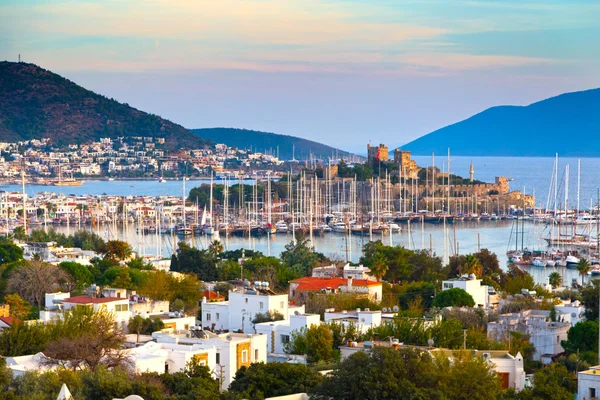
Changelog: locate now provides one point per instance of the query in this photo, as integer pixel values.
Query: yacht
(572, 261)
(538, 262)
(339, 227)
(281, 227)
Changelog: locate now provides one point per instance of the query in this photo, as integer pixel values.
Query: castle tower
(471, 173)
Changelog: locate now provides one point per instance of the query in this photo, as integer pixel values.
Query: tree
(555, 279)
(259, 380)
(216, 248)
(472, 265)
(144, 326)
(188, 290)
(582, 339)
(299, 257)
(157, 285)
(583, 267)
(200, 262)
(316, 342)
(517, 279)
(34, 279)
(86, 339)
(79, 274)
(19, 308)
(10, 252)
(468, 377)
(410, 373)
(116, 251)
(454, 297)
(23, 339)
(123, 279)
(553, 381)
(589, 298)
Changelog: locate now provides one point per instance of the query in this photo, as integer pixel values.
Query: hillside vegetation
(36, 103)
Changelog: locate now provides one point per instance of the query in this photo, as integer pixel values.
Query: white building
(363, 320)
(588, 384)
(471, 285)
(237, 314)
(572, 312)
(347, 271)
(119, 307)
(223, 354)
(280, 332)
(544, 334)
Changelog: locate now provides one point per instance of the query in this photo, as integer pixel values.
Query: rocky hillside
(36, 103)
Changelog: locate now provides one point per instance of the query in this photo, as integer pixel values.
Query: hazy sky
(341, 72)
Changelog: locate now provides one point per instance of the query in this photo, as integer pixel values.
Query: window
(217, 316)
(285, 339)
(281, 305)
(246, 301)
(121, 307)
(261, 305)
(557, 339)
(218, 358)
(448, 285)
(255, 354)
(244, 356)
(208, 316)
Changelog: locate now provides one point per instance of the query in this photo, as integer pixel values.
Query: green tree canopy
(260, 380)
(455, 297)
(316, 342)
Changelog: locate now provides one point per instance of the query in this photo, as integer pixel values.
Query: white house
(347, 271)
(471, 285)
(544, 334)
(237, 314)
(119, 307)
(588, 384)
(224, 354)
(280, 332)
(363, 320)
(571, 312)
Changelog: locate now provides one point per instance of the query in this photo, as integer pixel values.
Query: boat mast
(24, 200)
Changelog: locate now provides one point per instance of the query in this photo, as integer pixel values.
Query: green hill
(269, 142)
(36, 103)
(568, 124)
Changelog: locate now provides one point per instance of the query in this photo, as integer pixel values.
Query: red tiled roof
(212, 295)
(91, 300)
(310, 283)
(10, 320)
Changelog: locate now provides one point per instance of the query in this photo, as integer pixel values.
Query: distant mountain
(568, 124)
(265, 141)
(36, 103)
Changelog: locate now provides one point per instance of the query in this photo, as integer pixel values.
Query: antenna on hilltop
(19, 58)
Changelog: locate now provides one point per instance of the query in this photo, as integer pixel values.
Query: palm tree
(555, 279)
(472, 265)
(379, 266)
(583, 267)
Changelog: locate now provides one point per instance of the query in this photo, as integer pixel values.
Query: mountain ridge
(568, 124)
(36, 103)
(261, 141)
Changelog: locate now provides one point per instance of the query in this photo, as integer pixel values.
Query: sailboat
(67, 181)
(183, 229)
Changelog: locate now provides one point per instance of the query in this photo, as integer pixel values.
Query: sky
(341, 72)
